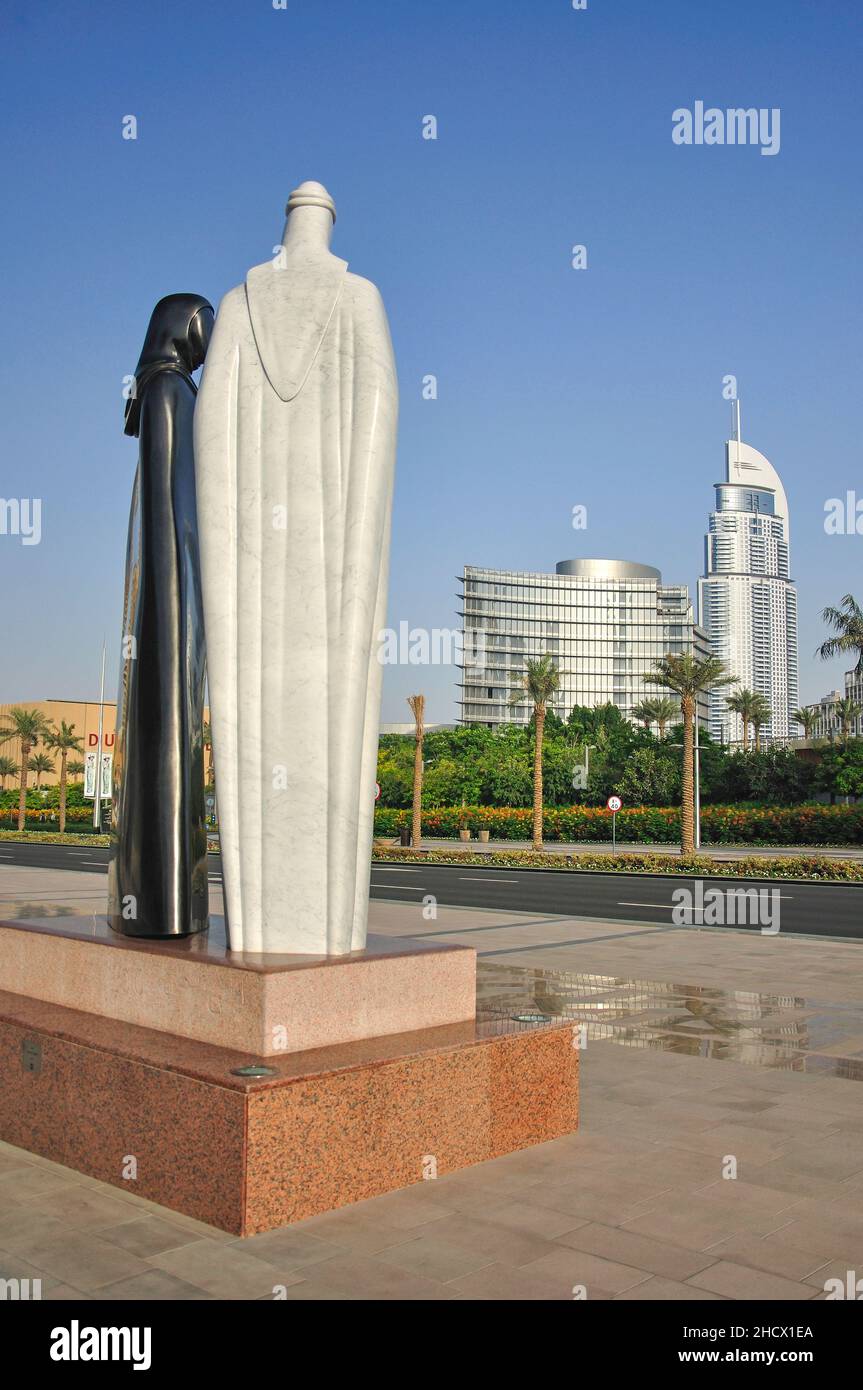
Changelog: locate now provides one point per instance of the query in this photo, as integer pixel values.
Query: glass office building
(604, 623)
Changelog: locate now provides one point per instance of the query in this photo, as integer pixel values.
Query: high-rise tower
(746, 599)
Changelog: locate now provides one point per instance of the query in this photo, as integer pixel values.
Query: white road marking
(381, 869)
(483, 878)
(398, 887)
(783, 897)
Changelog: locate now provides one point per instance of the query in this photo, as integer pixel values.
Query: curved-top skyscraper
(746, 600)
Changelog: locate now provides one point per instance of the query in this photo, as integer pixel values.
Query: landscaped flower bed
(810, 867)
(720, 825)
(52, 837)
(45, 815)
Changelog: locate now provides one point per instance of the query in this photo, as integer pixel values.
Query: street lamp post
(697, 754)
(577, 784)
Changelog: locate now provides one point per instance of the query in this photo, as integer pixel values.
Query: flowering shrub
(45, 815)
(810, 824)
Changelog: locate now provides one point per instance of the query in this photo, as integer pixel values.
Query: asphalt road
(815, 909)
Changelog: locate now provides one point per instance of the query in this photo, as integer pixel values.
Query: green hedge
(810, 824)
(809, 867)
(47, 816)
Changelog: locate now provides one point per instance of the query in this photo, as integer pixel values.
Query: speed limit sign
(614, 804)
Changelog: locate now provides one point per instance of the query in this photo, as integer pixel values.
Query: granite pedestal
(170, 1115)
(264, 1004)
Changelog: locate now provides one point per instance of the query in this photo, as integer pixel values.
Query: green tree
(40, 763)
(659, 710)
(64, 741)
(611, 738)
(840, 771)
(540, 681)
(807, 717)
(664, 710)
(8, 768)
(847, 711)
(451, 782)
(505, 772)
(395, 775)
(650, 778)
(775, 776)
(688, 676)
(847, 624)
(28, 726)
(761, 715)
(644, 713)
(753, 709)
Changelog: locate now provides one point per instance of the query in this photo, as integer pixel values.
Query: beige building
(82, 715)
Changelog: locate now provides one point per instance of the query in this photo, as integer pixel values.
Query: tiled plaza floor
(705, 1049)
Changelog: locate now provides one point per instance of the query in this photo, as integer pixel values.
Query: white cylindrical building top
(608, 569)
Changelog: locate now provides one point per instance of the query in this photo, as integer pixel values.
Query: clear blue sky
(556, 387)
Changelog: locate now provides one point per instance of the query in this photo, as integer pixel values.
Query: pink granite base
(320, 1130)
(263, 1005)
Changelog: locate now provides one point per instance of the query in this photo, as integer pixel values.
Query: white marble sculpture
(295, 432)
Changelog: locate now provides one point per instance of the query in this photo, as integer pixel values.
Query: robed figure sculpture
(157, 877)
(295, 434)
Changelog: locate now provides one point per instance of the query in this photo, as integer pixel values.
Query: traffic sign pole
(614, 804)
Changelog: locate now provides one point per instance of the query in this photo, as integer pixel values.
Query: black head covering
(176, 341)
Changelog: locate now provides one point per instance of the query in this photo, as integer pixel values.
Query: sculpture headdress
(176, 341)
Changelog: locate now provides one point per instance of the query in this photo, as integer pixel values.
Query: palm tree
(29, 726)
(759, 715)
(753, 708)
(658, 710)
(65, 741)
(664, 710)
(40, 763)
(847, 623)
(742, 702)
(8, 768)
(687, 676)
(418, 705)
(540, 680)
(77, 770)
(644, 713)
(847, 711)
(807, 717)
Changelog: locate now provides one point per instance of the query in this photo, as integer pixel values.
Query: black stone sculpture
(157, 884)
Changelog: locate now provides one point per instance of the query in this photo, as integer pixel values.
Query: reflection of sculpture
(157, 879)
(294, 453)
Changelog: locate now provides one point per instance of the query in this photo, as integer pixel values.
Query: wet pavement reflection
(788, 1032)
